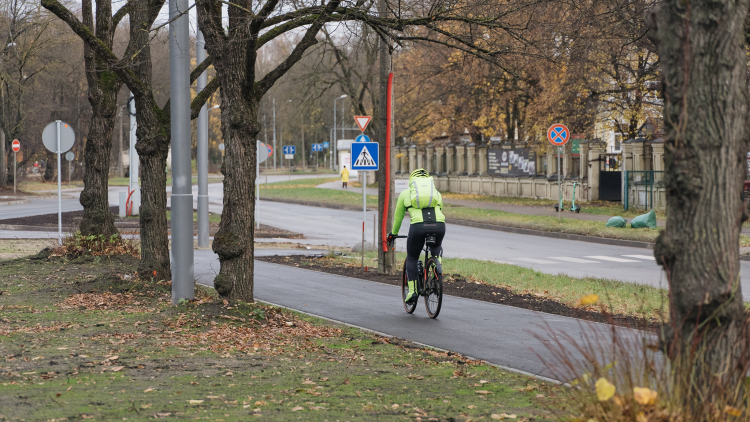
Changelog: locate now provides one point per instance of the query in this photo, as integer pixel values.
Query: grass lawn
(124, 181)
(38, 186)
(596, 207)
(80, 341)
(616, 297)
(305, 190)
(271, 171)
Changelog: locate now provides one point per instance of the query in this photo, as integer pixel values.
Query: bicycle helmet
(419, 173)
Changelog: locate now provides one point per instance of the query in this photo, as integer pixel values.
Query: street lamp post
(274, 134)
(333, 147)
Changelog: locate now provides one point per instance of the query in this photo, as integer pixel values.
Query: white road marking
(535, 261)
(646, 257)
(576, 260)
(611, 258)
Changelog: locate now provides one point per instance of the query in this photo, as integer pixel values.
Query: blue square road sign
(289, 149)
(365, 155)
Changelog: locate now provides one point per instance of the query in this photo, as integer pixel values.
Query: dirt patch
(458, 285)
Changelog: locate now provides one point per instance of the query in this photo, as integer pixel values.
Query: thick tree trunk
(152, 146)
(234, 242)
(97, 219)
(701, 49)
(153, 215)
(103, 86)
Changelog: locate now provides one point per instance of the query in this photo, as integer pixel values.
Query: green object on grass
(618, 222)
(644, 220)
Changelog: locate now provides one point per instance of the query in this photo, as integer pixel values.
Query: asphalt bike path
(513, 338)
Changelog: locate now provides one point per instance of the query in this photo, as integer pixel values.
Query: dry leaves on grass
(104, 301)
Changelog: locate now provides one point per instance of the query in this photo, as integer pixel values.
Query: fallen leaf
(296, 408)
(733, 411)
(502, 416)
(483, 392)
(471, 406)
(588, 300)
(146, 406)
(163, 415)
(324, 379)
(195, 401)
(604, 389)
(483, 381)
(644, 396)
(148, 390)
(117, 368)
(395, 406)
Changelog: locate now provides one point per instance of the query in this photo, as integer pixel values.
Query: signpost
(367, 154)
(362, 122)
(316, 148)
(16, 148)
(289, 151)
(70, 156)
(362, 138)
(58, 137)
(558, 135)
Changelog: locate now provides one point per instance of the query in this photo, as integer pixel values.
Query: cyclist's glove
(391, 238)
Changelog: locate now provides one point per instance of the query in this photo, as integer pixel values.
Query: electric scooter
(573, 206)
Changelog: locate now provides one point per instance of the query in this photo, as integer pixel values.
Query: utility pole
(120, 174)
(202, 153)
(183, 277)
(386, 258)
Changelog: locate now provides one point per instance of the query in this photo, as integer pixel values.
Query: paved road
(322, 226)
(510, 337)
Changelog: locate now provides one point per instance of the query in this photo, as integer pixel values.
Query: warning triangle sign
(362, 122)
(364, 159)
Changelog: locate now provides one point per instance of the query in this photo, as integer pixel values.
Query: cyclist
(425, 204)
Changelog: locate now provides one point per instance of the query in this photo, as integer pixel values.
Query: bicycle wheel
(433, 298)
(411, 306)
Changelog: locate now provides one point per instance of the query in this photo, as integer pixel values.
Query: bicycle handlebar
(390, 244)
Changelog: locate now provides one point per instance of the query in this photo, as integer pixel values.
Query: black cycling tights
(414, 243)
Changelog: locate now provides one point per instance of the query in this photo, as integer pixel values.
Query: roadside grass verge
(124, 181)
(305, 190)
(615, 297)
(321, 170)
(549, 224)
(606, 208)
(39, 186)
(85, 339)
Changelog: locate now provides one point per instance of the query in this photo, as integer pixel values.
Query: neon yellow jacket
(415, 214)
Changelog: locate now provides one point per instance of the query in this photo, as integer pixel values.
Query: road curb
(20, 201)
(495, 227)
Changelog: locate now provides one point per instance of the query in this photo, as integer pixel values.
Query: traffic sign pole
(59, 186)
(16, 147)
(558, 135)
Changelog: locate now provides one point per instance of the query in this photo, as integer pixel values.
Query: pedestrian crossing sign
(366, 154)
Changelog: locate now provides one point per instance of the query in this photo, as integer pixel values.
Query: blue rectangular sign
(289, 149)
(317, 147)
(365, 155)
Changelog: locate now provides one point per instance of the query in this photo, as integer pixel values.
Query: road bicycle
(429, 282)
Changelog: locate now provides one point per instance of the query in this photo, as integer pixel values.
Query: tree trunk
(152, 145)
(103, 86)
(97, 219)
(234, 242)
(701, 49)
(153, 213)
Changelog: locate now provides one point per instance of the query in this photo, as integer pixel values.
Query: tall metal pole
(15, 171)
(59, 186)
(275, 151)
(559, 185)
(363, 180)
(119, 152)
(182, 194)
(202, 156)
(135, 198)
